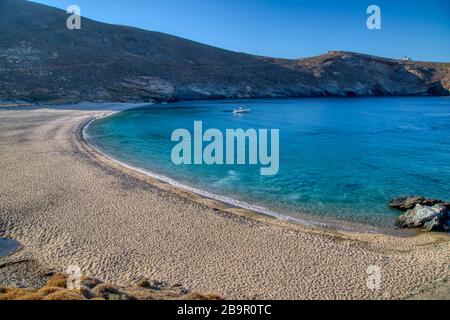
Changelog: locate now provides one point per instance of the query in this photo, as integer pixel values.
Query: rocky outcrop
(422, 213)
(408, 203)
(42, 61)
(424, 217)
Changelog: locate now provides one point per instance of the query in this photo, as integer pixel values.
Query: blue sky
(288, 28)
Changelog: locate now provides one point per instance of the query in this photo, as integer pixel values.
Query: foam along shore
(67, 204)
(305, 220)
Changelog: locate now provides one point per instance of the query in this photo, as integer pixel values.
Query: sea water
(340, 158)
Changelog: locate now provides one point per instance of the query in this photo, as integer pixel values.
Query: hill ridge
(41, 60)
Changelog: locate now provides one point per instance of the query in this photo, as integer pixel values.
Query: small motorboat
(241, 110)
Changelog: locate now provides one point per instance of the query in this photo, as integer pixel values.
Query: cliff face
(41, 60)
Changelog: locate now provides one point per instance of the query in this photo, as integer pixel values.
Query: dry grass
(94, 289)
(110, 292)
(58, 281)
(14, 293)
(65, 295)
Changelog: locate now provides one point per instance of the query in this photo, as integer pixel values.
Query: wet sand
(69, 205)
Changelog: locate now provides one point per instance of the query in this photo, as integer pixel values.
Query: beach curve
(240, 256)
(248, 208)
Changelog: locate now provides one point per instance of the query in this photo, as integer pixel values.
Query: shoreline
(66, 204)
(326, 223)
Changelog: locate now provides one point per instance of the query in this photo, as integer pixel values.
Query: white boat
(241, 110)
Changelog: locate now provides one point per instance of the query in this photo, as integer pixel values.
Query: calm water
(8, 246)
(339, 158)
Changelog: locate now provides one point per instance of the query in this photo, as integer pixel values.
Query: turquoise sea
(339, 158)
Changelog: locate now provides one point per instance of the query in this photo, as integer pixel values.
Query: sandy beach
(69, 205)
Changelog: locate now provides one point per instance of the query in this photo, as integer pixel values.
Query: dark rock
(157, 285)
(109, 292)
(436, 89)
(90, 282)
(143, 283)
(408, 203)
(446, 205)
(87, 292)
(447, 223)
(431, 202)
(151, 284)
(423, 217)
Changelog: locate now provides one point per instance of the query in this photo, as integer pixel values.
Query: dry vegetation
(94, 289)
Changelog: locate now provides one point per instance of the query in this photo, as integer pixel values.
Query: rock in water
(408, 203)
(423, 217)
(446, 205)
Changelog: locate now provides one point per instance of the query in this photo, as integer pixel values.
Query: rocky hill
(41, 60)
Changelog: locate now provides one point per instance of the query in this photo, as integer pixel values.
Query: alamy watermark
(374, 20)
(373, 281)
(74, 20)
(74, 275)
(234, 146)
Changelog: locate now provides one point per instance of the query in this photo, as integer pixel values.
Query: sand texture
(69, 205)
